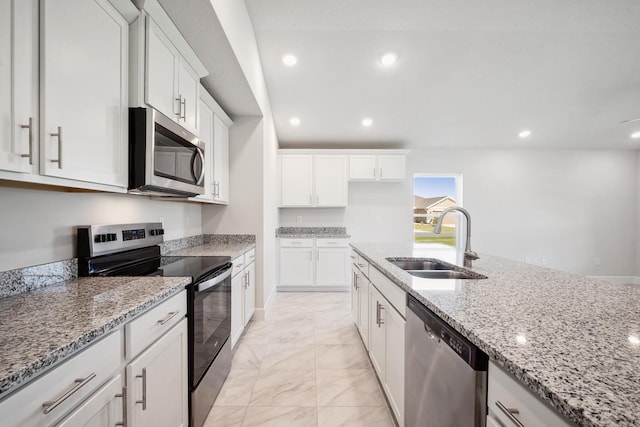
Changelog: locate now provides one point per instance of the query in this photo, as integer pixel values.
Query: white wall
(637, 272)
(568, 207)
(37, 226)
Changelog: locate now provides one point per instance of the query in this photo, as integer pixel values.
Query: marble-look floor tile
(249, 353)
(332, 318)
(237, 388)
(336, 334)
(225, 416)
(258, 416)
(348, 387)
(278, 387)
(341, 356)
(294, 316)
(301, 333)
(290, 356)
(258, 328)
(354, 416)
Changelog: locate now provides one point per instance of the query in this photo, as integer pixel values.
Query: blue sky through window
(434, 186)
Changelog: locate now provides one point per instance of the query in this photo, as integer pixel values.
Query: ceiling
(469, 74)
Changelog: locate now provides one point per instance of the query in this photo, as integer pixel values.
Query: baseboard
(312, 288)
(621, 280)
(263, 313)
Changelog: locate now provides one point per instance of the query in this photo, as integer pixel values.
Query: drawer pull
(123, 395)
(170, 316)
(80, 382)
(510, 413)
(144, 389)
(361, 265)
(239, 265)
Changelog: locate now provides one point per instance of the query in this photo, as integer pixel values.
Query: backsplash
(29, 278)
(284, 231)
(229, 238)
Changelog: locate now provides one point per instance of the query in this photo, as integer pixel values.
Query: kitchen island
(578, 353)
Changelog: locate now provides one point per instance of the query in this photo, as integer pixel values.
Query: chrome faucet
(469, 255)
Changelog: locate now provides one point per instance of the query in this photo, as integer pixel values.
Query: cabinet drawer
(296, 243)
(332, 243)
(238, 265)
(147, 328)
(360, 262)
(249, 256)
(505, 391)
(392, 292)
(76, 379)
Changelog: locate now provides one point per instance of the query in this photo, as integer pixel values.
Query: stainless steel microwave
(164, 158)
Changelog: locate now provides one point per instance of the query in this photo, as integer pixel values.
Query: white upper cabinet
(313, 180)
(84, 83)
(377, 167)
(19, 86)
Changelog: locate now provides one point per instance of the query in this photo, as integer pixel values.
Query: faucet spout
(469, 255)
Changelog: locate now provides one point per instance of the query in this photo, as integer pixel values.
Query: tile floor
(303, 366)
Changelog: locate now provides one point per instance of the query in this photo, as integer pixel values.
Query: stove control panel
(107, 239)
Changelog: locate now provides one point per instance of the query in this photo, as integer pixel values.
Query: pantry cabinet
(313, 180)
(19, 86)
(84, 83)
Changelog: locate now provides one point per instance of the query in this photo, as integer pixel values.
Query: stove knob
(100, 238)
(112, 237)
(157, 232)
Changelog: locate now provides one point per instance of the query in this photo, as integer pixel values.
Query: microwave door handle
(200, 178)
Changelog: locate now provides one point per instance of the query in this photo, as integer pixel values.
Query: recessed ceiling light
(388, 58)
(367, 122)
(294, 121)
(524, 134)
(521, 339)
(289, 60)
(633, 339)
(635, 135)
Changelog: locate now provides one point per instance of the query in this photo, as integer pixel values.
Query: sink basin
(441, 274)
(419, 265)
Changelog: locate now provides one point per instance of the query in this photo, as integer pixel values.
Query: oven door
(211, 320)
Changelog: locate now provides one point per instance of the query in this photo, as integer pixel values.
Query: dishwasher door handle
(431, 334)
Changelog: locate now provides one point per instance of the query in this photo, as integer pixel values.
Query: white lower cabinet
(509, 403)
(360, 302)
(103, 409)
(243, 293)
(314, 263)
(157, 382)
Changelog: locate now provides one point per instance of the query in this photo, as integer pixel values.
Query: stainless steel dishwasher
(446, 375)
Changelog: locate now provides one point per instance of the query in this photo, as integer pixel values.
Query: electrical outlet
(378, 218)
(543, 261)
(596, 261)
(299, 218)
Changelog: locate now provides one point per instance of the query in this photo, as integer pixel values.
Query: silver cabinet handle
(123, 395)
(144, 389)
(378, 314)
(50, 405)
(30, 127)
(510, 413)
(355, 276)
(374, 173)
(59, 135)
(170, 316)
(179, 113)
(380, 320)
(361, 265)
(184, 109)
(239, 265)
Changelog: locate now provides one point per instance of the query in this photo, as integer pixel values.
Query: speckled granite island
(578, 355)
(309, 232)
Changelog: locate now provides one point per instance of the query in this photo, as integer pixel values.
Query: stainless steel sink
(419, 265)
(430, 268)
(441, 274)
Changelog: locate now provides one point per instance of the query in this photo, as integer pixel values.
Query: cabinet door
(296, 180)
(206, 136)
(330, 173)
(362, 166)
(394, 326)
(249, 292)
(391, 167)
(19, 85)
(237, 302)
(332, 267)
(103, 409)
(162, 65)
(363, 323)
(377, 332)
(84, 62)
(188, 94)
(157, 382)
(296, 266)
(355, 296)
(221, 160)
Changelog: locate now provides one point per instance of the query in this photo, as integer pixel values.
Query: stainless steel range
(132, 250)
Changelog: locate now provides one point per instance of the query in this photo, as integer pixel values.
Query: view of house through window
(431, 195)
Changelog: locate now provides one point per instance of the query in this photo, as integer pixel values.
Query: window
(432, 194)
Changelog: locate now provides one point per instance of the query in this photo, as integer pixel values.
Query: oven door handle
(212, 282)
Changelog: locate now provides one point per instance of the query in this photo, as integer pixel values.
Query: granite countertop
(232, 249)
(578, 355)
(310, 232)
(42, 327)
